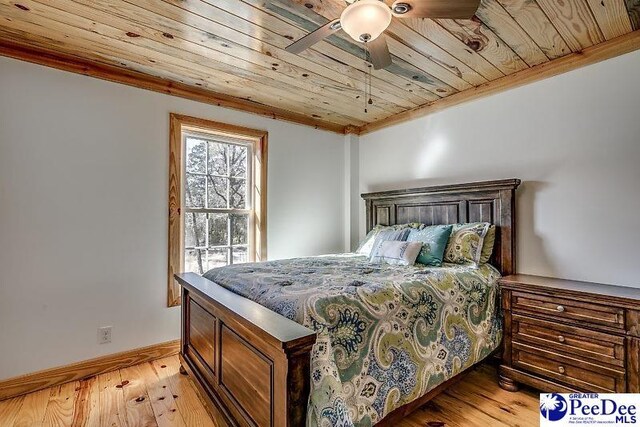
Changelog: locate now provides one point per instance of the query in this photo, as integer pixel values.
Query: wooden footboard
(251, 363)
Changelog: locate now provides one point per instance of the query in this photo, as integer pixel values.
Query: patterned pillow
(367, 243)
(396, 252)
(465, 243)
(434, 240)
(389, 234)
(488, 244)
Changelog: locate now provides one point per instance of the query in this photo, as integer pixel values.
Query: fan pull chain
(367, 78)
(366, 61)
(370, 101)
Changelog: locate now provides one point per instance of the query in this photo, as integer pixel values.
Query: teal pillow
(434, 240)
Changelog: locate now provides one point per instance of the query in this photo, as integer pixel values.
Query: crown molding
(591, 55)
(50, 58)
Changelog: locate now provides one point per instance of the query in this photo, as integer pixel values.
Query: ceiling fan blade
(452, 9)
(379, 53)
(314, 37)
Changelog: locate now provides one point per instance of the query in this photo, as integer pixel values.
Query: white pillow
(396, 252)
(381, 233)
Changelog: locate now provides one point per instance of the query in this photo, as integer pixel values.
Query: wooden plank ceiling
(236, 48)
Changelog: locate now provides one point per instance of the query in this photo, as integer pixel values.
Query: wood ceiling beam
(60, 61)
(618, 46)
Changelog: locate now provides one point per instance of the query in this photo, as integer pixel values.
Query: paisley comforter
(386, 334)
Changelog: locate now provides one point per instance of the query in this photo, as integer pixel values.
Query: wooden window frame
(178, 124)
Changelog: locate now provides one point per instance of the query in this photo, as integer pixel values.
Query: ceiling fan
(366, 20)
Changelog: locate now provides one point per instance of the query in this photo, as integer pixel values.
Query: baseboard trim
(35, 381)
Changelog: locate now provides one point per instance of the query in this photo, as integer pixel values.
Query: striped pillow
(386, 235)
(366, 245)
(397, 253)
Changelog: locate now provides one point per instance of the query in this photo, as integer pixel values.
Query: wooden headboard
(487, 201)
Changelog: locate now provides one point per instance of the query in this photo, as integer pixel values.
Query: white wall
(352, 195)
(83, 211)
(83, 193)
(575, 142)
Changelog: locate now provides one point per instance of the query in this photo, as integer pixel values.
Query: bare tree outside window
(217, 197)
(217, 205)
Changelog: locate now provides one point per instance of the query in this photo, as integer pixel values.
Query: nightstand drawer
(564, 335)
(560, 308)
(572, 341)
(572, 372)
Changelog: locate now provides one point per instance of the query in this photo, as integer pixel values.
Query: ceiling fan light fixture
(401, 8)
(365, 20)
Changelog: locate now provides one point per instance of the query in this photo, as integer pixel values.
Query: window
(217, 198)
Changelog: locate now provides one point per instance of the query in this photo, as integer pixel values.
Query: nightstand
(568, 336)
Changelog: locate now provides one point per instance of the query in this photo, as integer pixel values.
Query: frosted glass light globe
(365, 20)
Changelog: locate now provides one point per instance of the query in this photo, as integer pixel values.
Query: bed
(335, 340)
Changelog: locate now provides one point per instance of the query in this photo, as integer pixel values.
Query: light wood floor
(155, 394)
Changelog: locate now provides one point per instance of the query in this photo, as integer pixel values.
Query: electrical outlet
(104, 335)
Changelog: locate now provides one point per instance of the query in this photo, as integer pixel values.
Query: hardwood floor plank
(478, 401)
(113, 412)
(156, 394)
(86, 408)
(474, 416)
(435, 413)
(186, 398)
(60, 408)
(494, 404)
(33, 409)
(136, 398)
(162, 401)
(9, 410)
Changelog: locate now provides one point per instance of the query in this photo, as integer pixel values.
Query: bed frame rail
(251, 363)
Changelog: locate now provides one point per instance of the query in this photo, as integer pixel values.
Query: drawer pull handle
(561, 338)
(561, 369)
(560, 308)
